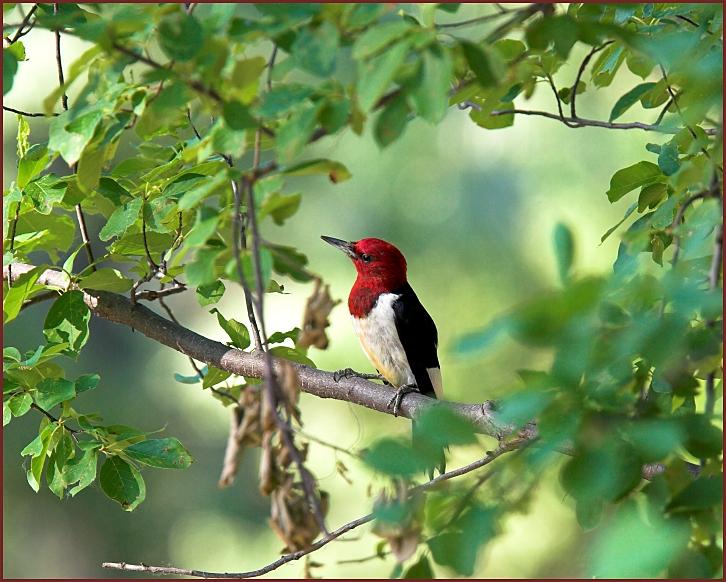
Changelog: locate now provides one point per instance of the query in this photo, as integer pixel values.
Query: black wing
(418, 335)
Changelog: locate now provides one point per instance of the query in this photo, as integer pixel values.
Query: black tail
(424, 444)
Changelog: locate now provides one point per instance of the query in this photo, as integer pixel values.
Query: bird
(397, 334)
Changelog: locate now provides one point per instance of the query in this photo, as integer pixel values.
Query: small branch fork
(488, 458)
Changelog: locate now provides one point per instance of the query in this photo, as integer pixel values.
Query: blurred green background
(474, 212)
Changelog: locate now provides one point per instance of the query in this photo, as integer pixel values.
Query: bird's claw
(395, 402)
(351, 373)
(338, 375)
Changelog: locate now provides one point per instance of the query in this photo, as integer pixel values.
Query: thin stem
(580, 71)
(64, 100)
(20, 33)
(313, 547)
(28, 114)
(582, 122)
(563, 119)
(477, 20)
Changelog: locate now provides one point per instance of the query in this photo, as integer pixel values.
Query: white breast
(378, 336)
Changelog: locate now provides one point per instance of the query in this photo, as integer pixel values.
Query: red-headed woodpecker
(396, 332)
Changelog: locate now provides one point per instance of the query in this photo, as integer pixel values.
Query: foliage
(174, 107)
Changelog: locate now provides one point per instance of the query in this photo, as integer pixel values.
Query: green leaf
(375, 75)
(280, 206)
(7, 415)
(378, 37)
(210, 294)
(214, 376)
(650, 196)
(52, 391)
(23, 143)
(20, 404)
(611, 230)
(10, 67)
(480, 64)
(237, 332)
(431, 95)
(23, 286)
(167, 453)
(336, 171)
(87, 382)
(484, 118)
(295, 133)
(629, 99)
(67, 321)
(668, 160)
(82, 470)
(106, 279)
(89, 169)
(315, 50)
(180, 36)
(564, 250)
(203, 189)
(45, 193)
(39, 450)
(31, 164)
(69, 136)
(631, 548)
(201, 271)
(421, 570)
(459, 549)
(702, 493)
(238, 116)
(392, 457)
(632, 177)
(391, 122)
(282, 99)
(122, 482)
(121, 219)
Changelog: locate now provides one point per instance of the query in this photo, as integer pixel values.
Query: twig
(64, 100)
(663, 111)
(28, 114)
(582, 122)
(19, 33)
(314, 547)
(680, 112)
(13, 229)
(580, 71)
(477, 20)
(563, 119)
(152, 295)
(679, 219)
(196, 85)
(39, 298)
(51, 417)
(331, 446)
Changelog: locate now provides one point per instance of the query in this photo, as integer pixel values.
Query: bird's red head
(381, 268)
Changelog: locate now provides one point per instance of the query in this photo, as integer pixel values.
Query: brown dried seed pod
(315, 319)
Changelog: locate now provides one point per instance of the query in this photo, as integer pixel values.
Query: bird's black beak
(344, 246)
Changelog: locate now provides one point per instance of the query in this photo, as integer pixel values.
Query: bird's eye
(366, 258)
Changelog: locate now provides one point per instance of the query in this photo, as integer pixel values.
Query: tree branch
(582, 122)
(20, 33)
(117, 308)
(28, 114)
(488, 458)
(580, 71)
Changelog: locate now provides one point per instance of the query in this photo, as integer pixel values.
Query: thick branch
(119, 309)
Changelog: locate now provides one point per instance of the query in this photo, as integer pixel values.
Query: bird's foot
(351, 373)
(395, 402)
